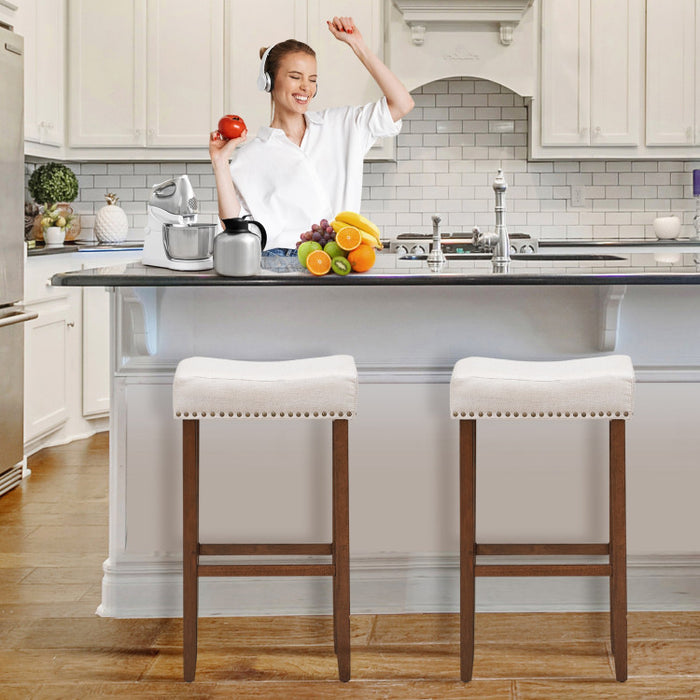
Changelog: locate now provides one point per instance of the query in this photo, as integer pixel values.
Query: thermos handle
(261, 228)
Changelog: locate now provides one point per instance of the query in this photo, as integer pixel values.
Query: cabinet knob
(70, 324)
(598, 131)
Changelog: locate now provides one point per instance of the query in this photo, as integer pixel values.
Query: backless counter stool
(600, 388)
(314, 388)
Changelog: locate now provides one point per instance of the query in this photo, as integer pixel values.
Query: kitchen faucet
(498, 242)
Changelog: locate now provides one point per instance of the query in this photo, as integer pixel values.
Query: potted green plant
(55, 184)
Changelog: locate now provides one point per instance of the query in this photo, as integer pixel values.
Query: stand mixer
(173, 239)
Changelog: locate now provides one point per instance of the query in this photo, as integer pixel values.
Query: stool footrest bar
(542, 570)
(265, 549)
(265, 570)
(542, 549)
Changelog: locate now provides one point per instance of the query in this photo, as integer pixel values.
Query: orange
(318, 262)
(348, 238)
(362, 258)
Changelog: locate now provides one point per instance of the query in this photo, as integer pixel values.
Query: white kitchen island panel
(538, 481)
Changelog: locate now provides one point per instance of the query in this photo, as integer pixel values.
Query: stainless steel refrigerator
(12, 315)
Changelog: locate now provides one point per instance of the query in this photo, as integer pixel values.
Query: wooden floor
(53, 540)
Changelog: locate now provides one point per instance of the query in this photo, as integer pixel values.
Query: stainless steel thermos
(238, 248)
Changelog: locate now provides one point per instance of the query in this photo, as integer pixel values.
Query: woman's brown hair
(279, 51)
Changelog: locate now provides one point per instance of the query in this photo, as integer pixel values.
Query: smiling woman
(306, 166)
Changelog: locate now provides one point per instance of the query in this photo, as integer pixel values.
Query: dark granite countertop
(636, 268)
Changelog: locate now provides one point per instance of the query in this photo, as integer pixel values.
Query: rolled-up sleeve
(376, 121)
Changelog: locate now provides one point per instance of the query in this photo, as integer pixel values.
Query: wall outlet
(577, 197)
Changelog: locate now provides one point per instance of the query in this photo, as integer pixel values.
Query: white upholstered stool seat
(595, 387)
(314, 388)
(317, 387)
(598, 387)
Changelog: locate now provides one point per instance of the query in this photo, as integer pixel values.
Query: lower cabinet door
(45, 371)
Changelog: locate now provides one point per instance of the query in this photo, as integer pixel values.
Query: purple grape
(324, 223)
(315, 227)
(298, 244)
(316, 236)
(329, 229)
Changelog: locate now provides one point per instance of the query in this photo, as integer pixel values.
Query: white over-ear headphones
(264, 78)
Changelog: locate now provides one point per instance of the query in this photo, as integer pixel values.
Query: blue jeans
(282, 252)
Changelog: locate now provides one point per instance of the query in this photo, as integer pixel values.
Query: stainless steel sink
(517, 256)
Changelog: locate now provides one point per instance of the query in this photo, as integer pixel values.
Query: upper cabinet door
(107, 66)
(616, 70)
(671, 79)
(42, 23)
(565, 73)
(246, 35)
(185, 71)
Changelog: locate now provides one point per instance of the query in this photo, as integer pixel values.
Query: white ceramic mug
(54, 236)
(667, 227)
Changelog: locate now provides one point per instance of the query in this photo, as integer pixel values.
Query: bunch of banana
(368, 230)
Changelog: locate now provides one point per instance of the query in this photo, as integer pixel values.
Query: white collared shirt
(288, 187)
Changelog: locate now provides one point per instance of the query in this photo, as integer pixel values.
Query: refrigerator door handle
(19, 317)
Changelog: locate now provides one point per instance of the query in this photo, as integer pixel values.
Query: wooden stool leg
(618, 549)
(341, 548)
(190, 543)
(467, 554)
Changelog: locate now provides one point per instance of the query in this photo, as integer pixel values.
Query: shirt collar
(265, 133)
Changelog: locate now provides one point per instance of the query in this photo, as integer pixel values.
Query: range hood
(495, 40)
(424, 15)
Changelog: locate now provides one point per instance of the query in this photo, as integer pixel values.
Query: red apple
(231, 126)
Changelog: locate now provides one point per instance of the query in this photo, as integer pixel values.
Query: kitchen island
(405, 327)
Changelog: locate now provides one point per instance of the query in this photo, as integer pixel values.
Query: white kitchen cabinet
(145, 74)
(47, 350)
(8, 12)
(107, 73)
(591, 78)
(342, 80)
(42, 23)
(52, 348)
(673, 69)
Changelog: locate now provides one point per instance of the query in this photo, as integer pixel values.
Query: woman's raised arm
(398, 98)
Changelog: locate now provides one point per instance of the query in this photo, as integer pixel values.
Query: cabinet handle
(598, 131)
(70, 324)
(49, 125)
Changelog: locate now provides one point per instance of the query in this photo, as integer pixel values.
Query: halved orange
(318, 262)
(348, 238)
(362, 258)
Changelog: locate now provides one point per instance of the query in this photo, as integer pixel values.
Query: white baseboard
(394, 583)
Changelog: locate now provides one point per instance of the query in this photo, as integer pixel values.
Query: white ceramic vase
(54, 236)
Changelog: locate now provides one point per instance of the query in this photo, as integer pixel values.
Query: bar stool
(315, 388)
(598, 388)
